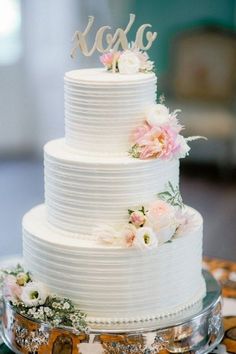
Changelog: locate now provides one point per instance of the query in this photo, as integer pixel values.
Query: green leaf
(172, 195)
(164, 194)
(142, 210)
(171, 187)
(130, 211)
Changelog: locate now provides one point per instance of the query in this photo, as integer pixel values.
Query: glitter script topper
(105, 42)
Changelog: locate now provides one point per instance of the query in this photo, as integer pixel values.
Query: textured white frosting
(102, 109)
(114, 284)
(82, 192)
(90, 180)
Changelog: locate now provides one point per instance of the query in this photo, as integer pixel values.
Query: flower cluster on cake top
(130, 61)
(153, 225)
(159, 135)
(30, 298)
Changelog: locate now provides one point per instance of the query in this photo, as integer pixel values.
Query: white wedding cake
(114, 235)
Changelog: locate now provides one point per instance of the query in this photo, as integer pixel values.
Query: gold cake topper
(112, 42)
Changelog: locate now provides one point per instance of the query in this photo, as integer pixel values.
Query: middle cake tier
(83, 192)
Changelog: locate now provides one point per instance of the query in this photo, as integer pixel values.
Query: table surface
(225, 273)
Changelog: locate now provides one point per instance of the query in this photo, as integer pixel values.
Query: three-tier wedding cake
(114, 235)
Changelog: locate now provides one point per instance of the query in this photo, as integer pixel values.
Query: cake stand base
(196, 330)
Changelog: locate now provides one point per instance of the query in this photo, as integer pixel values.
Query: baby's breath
(55, 311)
(135, 151)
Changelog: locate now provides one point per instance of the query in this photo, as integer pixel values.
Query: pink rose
(107, 59)
(11, 290)
(128, 235)
(137, 218)
(161, 217)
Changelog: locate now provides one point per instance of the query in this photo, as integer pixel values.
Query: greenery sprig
(172, 196)
(135, 151)
(56, 312)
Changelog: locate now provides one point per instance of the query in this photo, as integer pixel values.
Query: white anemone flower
(33, 294)
(145, 238)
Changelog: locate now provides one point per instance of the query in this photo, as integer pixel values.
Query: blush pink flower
(187, 222)
(159, 141)
(11, 290)
(147, 138)
(161, 217)
(140, 133)
(159, 208)
(182, 148)
(151, 150)
(168, 139)
(154, 141)
(137, 218)
(151, 137)
(128, 235)
(107, 59)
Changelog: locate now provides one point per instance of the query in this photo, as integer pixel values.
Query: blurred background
(195, 57)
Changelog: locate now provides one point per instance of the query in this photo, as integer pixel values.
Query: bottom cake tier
(114, 284)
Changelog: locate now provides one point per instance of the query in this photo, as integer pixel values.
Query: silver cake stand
(196, 330)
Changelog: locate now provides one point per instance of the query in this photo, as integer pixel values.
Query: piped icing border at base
(196, 301)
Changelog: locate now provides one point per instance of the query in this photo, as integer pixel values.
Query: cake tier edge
(82, 192)
(113, 284)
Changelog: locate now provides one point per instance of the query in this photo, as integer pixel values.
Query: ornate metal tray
(196, 330)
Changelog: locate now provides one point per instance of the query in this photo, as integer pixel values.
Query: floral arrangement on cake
(159, 136)
(130, 61)
(151, 226)
(32, 300)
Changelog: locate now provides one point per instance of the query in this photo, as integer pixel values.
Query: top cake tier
(102, 109)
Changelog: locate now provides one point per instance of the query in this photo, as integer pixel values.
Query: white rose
(145, 238)
(157, 114)
(33, 294)
(161, 217)
(128, 63)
